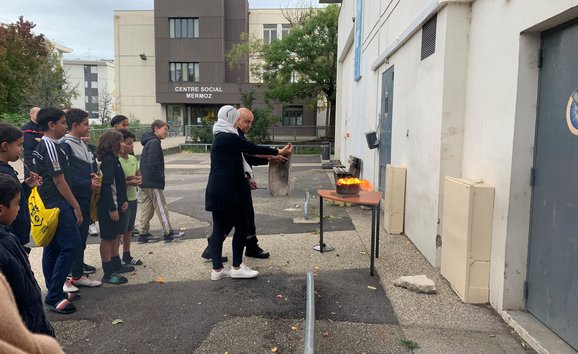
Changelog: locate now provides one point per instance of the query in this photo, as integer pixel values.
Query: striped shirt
(49, 160)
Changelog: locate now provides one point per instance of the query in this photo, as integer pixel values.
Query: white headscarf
(227, 117)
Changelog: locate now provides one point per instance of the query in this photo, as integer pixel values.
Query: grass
(409, 344)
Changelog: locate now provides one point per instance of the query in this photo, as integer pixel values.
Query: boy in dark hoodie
(14, 262)
(11, 141)
(152, 169)
(82, 179)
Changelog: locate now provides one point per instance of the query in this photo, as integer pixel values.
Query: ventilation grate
(428, 38)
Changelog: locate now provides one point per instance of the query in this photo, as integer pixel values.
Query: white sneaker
(68, 287)
(86, 281)
(224, 273)
(243, 272)
(93, 229)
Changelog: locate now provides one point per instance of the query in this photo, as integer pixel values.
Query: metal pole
(310, 316)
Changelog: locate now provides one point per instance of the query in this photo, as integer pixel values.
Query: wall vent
(428, 37)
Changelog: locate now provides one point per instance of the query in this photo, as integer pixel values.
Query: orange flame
(364, 184)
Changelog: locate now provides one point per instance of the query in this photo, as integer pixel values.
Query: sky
(86, 26)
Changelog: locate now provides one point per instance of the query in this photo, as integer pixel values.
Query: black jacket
(152, 162)
(227, 186)
(252, 160)
(15, 266)
(21, 225)
(31, 132)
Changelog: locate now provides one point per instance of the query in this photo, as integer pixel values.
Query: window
(85, 99)
(293, 115)
(184, 72)
(94, 99)
(86, 84)
(269, 33)
(93, 84)
(93, 69)
(285, 28)
(184, 27)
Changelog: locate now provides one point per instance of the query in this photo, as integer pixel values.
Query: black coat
(152, 162)
(227, 186)
(31, 132)
(15, 266)
(20, 225)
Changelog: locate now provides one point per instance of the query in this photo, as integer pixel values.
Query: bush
(17, 119)
(202, 133)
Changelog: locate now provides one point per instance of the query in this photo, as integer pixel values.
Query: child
(129, 165)
(82, 179)
(50, 162)
(111, 204)
(14, 262)
(11, 140)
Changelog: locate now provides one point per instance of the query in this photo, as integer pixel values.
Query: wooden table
(369, 199)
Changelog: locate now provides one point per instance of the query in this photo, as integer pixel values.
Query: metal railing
(304, 149)
(282, 133)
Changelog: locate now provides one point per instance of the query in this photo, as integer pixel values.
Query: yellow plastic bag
(43, 221)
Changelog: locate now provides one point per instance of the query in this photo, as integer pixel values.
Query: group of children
(64, 170)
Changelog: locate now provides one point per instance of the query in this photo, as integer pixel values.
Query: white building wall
(134, 35)
(106, 80)
(468, 110)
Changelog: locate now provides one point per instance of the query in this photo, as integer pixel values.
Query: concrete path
(171, 306)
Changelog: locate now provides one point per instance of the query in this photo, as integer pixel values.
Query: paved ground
(170, 305)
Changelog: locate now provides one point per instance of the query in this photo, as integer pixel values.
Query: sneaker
(224, 273)
(72, 296)
(173, 235)
(135, 232)
(256, 252)
(114, 279)
(68, 287)
(86, 282)
(124, 269)
(243, 272)
(146, 238)
(132, 261)
(63, 307)
(208, 257)
(93, 230)
(88, 269)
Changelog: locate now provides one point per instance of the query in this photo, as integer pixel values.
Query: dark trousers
(58, 256)
(251, 238)
(222, 220)
(78, 263)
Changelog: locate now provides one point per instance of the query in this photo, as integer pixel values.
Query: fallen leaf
(117, 321)
(294, 328)
(325, 334)
(316, 268)
(183, 229)
(274, 350)
(160, 280)
(150, 252)
(362, 252)
(371, 287)
(492, 335)
(279, 296)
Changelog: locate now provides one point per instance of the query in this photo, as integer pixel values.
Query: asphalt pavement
(170, 305)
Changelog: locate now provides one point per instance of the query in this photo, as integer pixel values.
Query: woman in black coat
(228, 188)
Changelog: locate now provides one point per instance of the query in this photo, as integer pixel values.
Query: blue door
(553, 252)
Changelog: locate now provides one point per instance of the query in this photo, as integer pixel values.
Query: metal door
(385, 124)
(553, 253)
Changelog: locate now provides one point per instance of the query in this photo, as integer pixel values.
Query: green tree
(22, 54)
(262, 117)
(301, 65)
(50, 87)
(31, 72)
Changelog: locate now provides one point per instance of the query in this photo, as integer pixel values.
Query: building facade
(95, 84)
(483, 90)
(171, 63)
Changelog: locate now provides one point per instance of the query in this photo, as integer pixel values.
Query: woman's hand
(124, 207)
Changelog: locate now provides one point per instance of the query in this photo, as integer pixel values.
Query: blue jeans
(60, 253)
